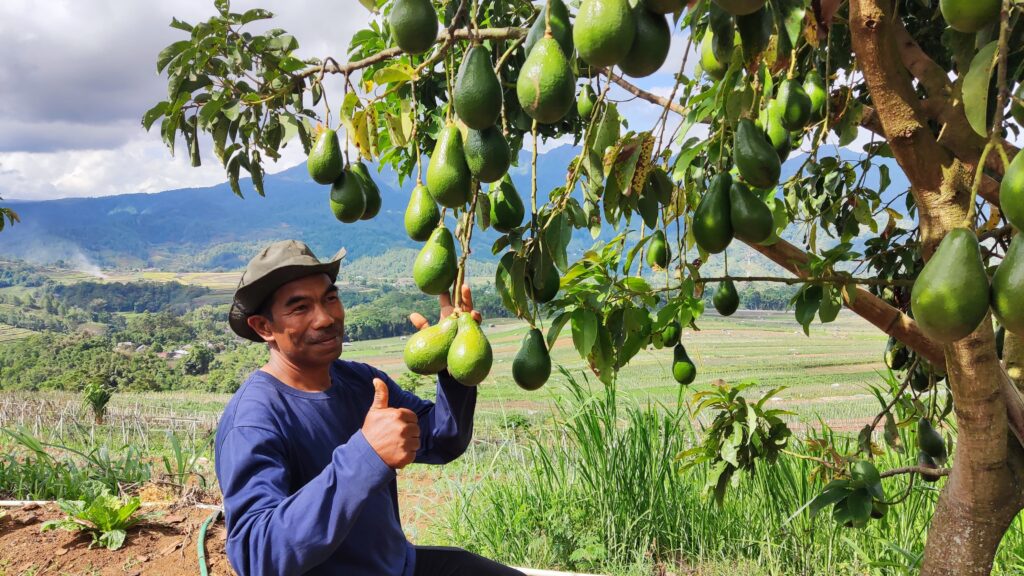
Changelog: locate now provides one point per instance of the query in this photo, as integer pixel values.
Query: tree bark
(983, 493)
(1013, 358)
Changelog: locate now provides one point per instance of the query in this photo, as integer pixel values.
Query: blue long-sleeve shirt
(304, 493)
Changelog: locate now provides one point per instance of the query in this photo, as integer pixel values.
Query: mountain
(212, 229)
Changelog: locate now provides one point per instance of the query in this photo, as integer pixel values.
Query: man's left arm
(446, 425)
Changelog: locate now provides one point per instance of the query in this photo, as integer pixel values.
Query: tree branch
(933, 472)
(641, 93)
(790, 280)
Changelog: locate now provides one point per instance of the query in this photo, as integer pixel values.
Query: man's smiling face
(306, 321)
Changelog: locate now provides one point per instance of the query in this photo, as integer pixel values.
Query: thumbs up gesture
(393, 433)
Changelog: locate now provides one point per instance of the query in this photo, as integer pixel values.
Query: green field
(11, 333)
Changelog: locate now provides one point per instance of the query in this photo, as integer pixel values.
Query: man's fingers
(477, 317)
(445, 300)
(407, 415)
(467, 298)
(418, 321)
(380, 395)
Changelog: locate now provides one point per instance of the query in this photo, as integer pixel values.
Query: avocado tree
(470, 83)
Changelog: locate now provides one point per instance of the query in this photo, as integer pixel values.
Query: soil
(164, 545)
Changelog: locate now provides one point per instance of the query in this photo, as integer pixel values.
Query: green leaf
(370, 5)
(584, 330)
(170, 53)
(976, 85)
(830, 304)
(858, 504)
(291, 64)
(835, 491)
(399, 73)
(807, 303)
(153, 113)
(556, 328)
(892, 434)
(255, 14)
(184, 26)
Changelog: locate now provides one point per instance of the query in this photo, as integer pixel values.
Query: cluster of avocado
(354, 195)
(952, 295)
(931, 448)
(456, 344)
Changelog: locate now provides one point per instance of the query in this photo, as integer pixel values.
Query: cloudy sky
(78, 76)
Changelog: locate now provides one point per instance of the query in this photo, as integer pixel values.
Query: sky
(78, 76)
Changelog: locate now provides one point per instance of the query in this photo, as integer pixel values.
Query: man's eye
(300, 308)
(332, 298)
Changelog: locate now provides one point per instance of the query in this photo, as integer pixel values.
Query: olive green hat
(275, 266)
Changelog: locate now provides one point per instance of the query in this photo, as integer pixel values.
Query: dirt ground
(165, 545)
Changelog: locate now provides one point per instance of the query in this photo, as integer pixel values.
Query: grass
(11, 333)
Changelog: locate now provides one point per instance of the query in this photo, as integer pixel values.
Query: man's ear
(261, 325)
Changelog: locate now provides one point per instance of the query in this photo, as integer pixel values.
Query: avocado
(755, 33)
(426, 352)
(750, 217)
(670, 333)
(324, 161)
(448, 177)
(477, 92)
(664, 6)
(1008, 288)
(647, 206)
(683, 369)
(930, 441)
(794, 105)
(951, 294)
(712, 220)
(708, 61)
(1011, 193)
(754, 157)
(741, 7)
(726, 299)
(561, 29)
(896, 354)
(658, 252)
(585, 102)
(814, 86)
(604, 31)
(531, 367)
(778, 136)
(470, 356)
(546, 86)
(487, 154)
(542, 280)
(920, 381)
(925, 461)
(370, 191)
(421, 215)
(970, 16)
(435, 268)
(348, 202)
(659, 185)
(413, 25)
(650, 44)
(507, 210)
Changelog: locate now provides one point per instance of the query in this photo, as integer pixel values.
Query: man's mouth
(326, 340)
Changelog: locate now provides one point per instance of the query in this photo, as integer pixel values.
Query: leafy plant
(96, 395)
(184, 463)
(105, 517)
(740, 434)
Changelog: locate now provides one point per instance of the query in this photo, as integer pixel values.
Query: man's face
(307, 321)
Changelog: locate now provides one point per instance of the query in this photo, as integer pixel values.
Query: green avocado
(647, 206)
(435, 268)
(507, 210)
(1008, 288)
(778, 136)
(755, 33)
(477, 92)
(470, 356)
(794, 105)
(930, 441)
(348, 201)
(658, 252)
(487, 154)
(370, 191)
(324, 161)
(970, 16)
(585, 102)
(664, 6)
(531, 367)
(708, 61)
(561, 29)
(421, 215)
(1011, 193)
(426, 352)
(670, 333)
(896, 354)
(542, 280)
(650, 45)
(683, 369)
(712, 220)
(726, 298)
(750, 217)
(814, 86)
(755, 159)
(950, 296)
(659, 185)
(741, 7)
(413, 25)
(448, 178)
(546, 87)
(604, 31)
(920, 381)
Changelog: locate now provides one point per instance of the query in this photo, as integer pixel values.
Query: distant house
(179, 353)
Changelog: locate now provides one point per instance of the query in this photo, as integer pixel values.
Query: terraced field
(11, 333)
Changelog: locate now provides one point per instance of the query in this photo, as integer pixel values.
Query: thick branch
(790, 280)
(933, 472)
(641, 93)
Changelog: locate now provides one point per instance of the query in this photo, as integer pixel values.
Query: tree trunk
(983, 493)
(1013, 357)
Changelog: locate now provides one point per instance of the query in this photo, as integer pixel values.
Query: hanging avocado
(325, 162)
(750, 217)
(930, 441)
(413, 25)
(470, 356)
(711, 65)
(477, 93)
(1008, 288)
(754, 157)
(604, 31)
(778, 136)
(814, 86)
(1011, 193)
(542, 280)
(435, 268)
(683, 369)
(421, 215)
(507, 210)
(896, 354)
(531, 367)
(546, 87)
(950, 295)
(561, 29)
(348, 202)
(487, 154)
(658, 251)
(726, 298)
(448, 176)
(370, 191)
(970, 16)
(585, 102)
(741, 7)
(712, 220)
(794, 105)
(650, 45)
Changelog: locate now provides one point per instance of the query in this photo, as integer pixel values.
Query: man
(308, 448)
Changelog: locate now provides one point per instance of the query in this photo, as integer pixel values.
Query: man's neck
(304, 378)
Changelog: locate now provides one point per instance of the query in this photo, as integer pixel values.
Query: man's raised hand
(447, 308)
(393, 433)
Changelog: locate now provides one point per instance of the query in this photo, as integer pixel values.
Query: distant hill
(210, 229)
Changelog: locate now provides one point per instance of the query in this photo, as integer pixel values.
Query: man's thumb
(380, 394)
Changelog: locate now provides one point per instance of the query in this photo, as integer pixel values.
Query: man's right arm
(272, 532)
